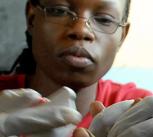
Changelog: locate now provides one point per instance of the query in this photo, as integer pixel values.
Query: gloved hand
(38, 119)
(136, 122)
(65, 97)
(104, 118)
(103, 121)
(14, 100)
(95, 108)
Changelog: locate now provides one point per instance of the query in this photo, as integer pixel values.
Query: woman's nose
(81, 30)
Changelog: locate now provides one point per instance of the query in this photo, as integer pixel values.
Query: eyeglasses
(103, 23)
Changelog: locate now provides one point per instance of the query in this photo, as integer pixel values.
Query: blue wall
(142, 77)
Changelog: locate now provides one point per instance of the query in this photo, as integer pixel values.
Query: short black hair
(34, 2)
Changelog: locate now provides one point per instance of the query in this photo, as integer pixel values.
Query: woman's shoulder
(12, 81)
(112, 92)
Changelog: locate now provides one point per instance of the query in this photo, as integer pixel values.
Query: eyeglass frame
(74, 17)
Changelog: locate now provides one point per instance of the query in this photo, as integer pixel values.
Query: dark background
(12, 28)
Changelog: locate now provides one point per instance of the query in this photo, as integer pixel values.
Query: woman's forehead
(75, 3)
(86, 1)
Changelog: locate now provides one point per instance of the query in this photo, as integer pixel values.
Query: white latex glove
(103, 121)
(136, 122)
(63, 97)
(38, 119)
(13, 100)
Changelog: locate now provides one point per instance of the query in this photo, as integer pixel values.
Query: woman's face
(72, 53)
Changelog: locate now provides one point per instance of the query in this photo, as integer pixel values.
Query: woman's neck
(85, 97)
(42, 84)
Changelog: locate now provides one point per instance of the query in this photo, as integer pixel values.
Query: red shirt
(108, 92)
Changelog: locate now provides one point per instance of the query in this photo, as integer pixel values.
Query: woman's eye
(57, 11)
(103, 20)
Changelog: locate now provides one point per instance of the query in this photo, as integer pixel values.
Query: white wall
(137, 50)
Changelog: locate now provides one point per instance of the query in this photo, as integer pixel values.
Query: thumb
(82, 132)
(96, 107)
(40, 118)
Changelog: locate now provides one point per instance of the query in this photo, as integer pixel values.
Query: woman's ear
(125, 31)
(29, 16)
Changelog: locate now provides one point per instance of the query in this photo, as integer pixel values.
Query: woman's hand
(82, 132)
(136, 121)
(38, 119)
(14, 100)
(123, 119)
(104, 121)
(104, 118)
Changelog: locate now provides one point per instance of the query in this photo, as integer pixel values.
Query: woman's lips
(77, 61)
(77, 57)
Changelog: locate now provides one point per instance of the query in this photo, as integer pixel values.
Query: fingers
(70, 116)
(104, 120)
(143, 129)
(12, 100)
(136, 101)
(82, 132)
(139, 113)
(96, 107)
(60, 111)
(40, 118)
(64, 97)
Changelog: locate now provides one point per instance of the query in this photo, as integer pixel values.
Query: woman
(73, 43)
